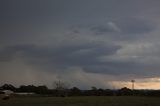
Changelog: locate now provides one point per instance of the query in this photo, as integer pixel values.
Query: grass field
(81, 101)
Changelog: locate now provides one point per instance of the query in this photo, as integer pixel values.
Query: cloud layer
(86, 43)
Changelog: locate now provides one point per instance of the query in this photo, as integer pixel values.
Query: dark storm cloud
(81, 55)
(136, 26)
(84, 56)
(110, 37)
(125, 68)
(124, 29)
(98, 30)
(22, 9)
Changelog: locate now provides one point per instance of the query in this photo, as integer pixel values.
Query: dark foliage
(8, 87)
(43, 90)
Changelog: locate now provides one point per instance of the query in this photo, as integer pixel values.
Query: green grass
(81, 101)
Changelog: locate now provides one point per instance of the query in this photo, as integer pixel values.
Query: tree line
(62, 90)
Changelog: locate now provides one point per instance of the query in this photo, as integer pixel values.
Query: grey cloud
(34, 32)
(125, 28)
(125, 69)
(7, 53)
(86, 57)
(60, 58)
(136, 26)
(98, 30)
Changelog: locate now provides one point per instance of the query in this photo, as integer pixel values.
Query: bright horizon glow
(147, 83)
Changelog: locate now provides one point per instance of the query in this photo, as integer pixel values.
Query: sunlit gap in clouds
(146, 83)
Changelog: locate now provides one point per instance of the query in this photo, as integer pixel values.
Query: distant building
(24, 93)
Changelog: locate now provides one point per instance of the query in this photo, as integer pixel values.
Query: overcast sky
(102, 43)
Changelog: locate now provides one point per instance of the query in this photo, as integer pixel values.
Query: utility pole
(132, 81)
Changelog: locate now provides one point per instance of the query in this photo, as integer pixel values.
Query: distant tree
(93, 91)
(42, 89)
(75, 91)
(60, 85)
(125, 91)
(100, 92)
(28, 88)
(93, 88)
(61, 88)
(109, 92)
(8, 87)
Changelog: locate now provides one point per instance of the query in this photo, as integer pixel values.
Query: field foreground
(81, 101)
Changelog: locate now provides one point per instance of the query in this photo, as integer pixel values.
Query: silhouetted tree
(62, 88)
(29, 88)
(93, 90)
(42, 90)
(60, 85)
(125, 91)
(75, 91)
(100, 92)
(109, 92)
(8, 87)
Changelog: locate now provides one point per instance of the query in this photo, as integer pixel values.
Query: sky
(101, 43)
